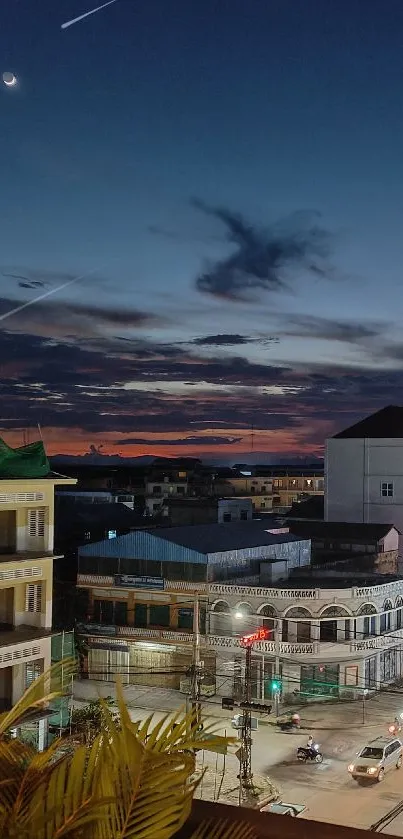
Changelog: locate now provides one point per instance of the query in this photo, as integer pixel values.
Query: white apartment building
(364, 471)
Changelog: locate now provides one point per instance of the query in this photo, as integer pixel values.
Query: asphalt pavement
(326, 790)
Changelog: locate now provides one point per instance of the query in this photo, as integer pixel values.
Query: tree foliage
(132, 780)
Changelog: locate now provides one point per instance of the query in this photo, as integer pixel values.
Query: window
(33, 669)
(157, 490)
(185, 619)
(244, 515)
(226, 517)
(180, 490)
(36, 523)
(103, 612)
(120, 613)
(387, 489)
(140, 614)
(159, 616)
(33, 597)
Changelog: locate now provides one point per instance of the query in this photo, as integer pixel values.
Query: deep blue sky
(261, 110)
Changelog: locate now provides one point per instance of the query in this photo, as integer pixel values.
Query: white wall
(355, 470)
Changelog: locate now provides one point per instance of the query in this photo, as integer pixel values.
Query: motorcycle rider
(309, 744)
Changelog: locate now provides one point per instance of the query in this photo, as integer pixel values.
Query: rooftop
(312, 508)
(215, 538)
(388, 422)
(349, 531)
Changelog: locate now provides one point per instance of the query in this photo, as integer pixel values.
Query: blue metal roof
(192, 543)
(142, 544)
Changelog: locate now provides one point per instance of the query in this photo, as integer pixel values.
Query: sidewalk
(378, 710)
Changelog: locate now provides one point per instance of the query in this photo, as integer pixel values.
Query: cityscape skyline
(229, 185)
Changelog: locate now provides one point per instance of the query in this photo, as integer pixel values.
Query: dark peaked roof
(214, 538)
(349, 531)
(388, 422)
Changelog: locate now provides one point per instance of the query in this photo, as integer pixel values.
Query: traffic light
(255, 706)
(276, 685)
(227, 703)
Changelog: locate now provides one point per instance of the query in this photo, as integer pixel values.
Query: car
(283, 809)
(376, 758)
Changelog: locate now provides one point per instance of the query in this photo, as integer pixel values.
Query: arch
(335, 624)
(335, 611)
(367, 627)
(244, 607)
(268, 615)
(220, 622)
(297, 612)
(221, 606)
(386, 617)
(367, 609)
(301, 629)
(267, 611)
(399, 612)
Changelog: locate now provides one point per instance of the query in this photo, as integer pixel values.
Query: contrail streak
(81, 17)
(45, 295)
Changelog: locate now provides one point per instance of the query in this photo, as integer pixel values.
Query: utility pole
(246, 730)
(196, 666)
(247, 641)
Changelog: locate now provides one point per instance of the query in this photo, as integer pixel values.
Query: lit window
(387, 489)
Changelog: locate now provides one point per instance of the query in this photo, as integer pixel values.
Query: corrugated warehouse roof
(196, 542)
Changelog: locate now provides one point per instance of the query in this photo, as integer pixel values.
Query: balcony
(22, 644)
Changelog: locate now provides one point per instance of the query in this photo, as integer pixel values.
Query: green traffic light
(275, 685)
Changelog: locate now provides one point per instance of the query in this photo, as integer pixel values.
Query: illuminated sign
(260, 635)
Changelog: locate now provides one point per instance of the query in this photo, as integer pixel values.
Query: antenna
(40, 432)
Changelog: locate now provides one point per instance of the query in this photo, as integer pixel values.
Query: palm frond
(224, 830)
(43, 690)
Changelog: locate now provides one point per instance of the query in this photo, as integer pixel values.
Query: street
(326, 790)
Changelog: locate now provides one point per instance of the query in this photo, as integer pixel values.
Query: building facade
(141, 589)
(364, 471)
(26, 582)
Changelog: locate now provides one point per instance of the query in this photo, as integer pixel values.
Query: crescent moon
(10, 82)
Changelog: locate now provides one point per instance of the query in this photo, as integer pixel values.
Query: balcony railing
(231, 643)
(215, 590)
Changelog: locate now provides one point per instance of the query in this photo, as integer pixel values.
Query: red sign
(260, 635)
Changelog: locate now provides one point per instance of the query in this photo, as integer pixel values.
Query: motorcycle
(396, 726)
(291, 724)
(304, 753)
(394, 729)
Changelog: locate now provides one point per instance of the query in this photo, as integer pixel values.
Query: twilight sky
(231, 173)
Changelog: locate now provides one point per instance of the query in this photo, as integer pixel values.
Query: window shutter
(33, 669)
(33, 597)
(36, 523)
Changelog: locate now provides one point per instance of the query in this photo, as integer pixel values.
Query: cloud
(179, 441)
(231, 340)
(26, 282)
(262, 257)
(348, 332)
(64, 319)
